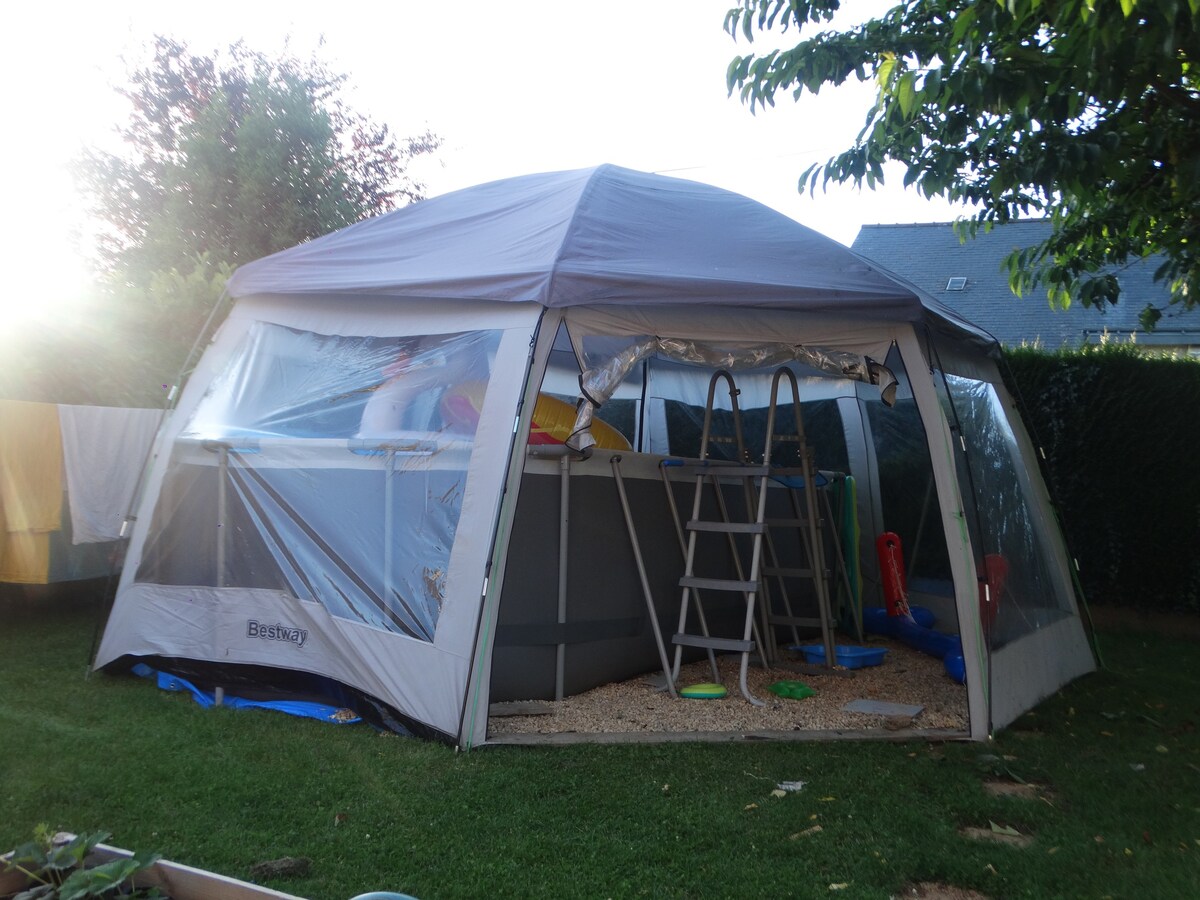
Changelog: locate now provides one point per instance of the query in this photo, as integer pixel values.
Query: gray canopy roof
(595, 236)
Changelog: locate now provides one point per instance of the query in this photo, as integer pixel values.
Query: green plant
(57, 868)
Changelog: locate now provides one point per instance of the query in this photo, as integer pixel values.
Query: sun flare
(50, 285)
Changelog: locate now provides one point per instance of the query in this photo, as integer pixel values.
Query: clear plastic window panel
(907, 496)
(622, 411)
(329, 467)
(1025, 594)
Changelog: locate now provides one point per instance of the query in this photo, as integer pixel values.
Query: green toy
(792, 690)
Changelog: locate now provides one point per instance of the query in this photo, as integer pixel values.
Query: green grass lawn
(1115, 758)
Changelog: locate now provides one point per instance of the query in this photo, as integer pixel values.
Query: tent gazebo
(358, 495)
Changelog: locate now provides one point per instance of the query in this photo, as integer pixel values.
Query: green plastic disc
(705, 691)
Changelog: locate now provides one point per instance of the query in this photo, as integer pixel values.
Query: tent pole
(564, 517)
(222, 502)
(389, 491)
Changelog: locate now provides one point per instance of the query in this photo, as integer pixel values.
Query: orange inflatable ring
(552, 423)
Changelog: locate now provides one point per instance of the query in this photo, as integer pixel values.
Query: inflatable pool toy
(956, 667)
(703, 691)
(553, 419)
(920, 635)
(877, 621)
(935, 643)
(995, 568)
(891, 572)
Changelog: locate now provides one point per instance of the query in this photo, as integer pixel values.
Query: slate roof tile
(930, 254)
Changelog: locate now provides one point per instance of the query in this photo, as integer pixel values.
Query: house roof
(930, 255)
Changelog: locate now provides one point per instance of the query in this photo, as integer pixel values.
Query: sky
(512, 87)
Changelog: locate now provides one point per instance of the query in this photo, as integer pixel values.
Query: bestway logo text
(276, 632)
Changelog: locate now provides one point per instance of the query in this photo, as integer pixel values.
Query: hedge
(1119, 429)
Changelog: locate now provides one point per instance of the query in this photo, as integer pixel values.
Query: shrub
(1118, 427)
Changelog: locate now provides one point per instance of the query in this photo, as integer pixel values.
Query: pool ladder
(756, 478)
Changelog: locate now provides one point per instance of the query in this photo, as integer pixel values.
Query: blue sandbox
(847, 656)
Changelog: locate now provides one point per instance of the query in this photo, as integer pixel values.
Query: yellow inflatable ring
(552, 423)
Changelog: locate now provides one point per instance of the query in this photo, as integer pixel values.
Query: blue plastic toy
(919, 634)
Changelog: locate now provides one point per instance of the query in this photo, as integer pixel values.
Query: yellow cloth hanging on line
(25, 557)
(31, 464)
(31, 489)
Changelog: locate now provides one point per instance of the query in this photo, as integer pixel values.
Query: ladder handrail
(683, 551)
(811, 536)
(737, 414)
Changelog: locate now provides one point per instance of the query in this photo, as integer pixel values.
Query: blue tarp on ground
(320, 711)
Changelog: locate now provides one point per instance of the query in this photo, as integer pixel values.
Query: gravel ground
(905, 676)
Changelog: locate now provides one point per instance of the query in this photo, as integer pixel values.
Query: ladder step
(786, 572)
(713, 643)
(718, 584)
(726, 527)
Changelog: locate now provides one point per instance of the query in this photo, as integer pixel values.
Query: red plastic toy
(891, 570)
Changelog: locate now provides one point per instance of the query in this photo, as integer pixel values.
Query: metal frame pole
(641, 568)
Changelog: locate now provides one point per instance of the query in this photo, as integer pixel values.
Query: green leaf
(963, 22)
(98, 880)
(38, 892)
(932, 84)
(30, 855)
(883, 72)
(906, 94)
